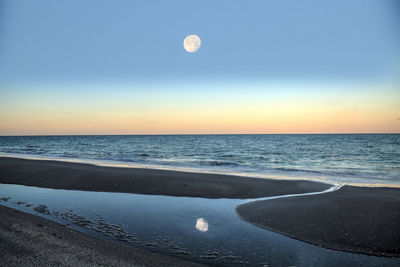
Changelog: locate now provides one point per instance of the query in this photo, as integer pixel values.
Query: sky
(119, 67)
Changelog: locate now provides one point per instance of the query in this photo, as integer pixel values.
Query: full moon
(192, 43)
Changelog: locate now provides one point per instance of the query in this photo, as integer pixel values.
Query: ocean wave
(347, 157)
(297, 170)
(215, 163)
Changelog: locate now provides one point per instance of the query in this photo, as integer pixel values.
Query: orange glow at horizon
(234, 113)
(241, 120)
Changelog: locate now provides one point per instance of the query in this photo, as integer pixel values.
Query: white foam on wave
(329, 190)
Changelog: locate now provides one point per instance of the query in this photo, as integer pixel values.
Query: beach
(77, 176)
(219, 133)
(28, 240)
(355, 219)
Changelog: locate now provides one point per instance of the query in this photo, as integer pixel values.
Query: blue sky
(142, 40)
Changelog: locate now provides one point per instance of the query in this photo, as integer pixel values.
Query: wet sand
(76, 176)
(355, 219)
(28, 240)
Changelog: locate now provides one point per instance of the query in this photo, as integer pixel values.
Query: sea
(356, 159)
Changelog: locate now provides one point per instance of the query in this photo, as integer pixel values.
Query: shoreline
(27, 238)
(132, 165)
(355, 219)
(175, 168)
(87, 177)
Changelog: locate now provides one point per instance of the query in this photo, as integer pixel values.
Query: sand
(76, 176)
(28, 240)
(355, 219)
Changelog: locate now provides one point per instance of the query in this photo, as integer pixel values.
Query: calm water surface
(202, 230)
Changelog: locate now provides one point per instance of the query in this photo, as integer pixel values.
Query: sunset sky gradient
(119, 67)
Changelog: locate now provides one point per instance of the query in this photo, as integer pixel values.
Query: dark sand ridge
(77, 176)
(28, 240)
(356, 219)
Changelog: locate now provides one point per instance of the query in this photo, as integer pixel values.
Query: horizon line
(182, 134)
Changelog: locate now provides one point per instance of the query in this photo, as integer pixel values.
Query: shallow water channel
(197, 229)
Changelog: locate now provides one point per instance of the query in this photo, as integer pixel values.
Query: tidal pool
(198, 229)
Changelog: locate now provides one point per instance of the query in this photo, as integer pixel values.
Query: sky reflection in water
(205, 230)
